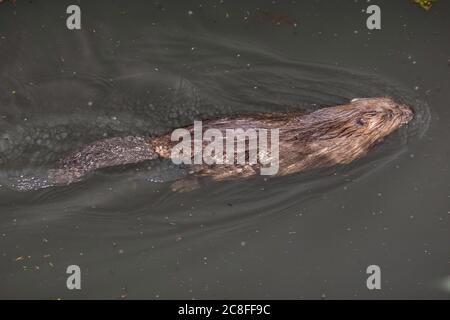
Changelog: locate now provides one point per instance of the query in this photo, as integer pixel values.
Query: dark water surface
(143, 68)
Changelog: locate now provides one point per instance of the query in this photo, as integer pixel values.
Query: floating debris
(426, 4)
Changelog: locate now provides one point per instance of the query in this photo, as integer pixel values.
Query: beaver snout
(407, 114)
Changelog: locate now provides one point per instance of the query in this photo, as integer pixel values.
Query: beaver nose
(406, 114)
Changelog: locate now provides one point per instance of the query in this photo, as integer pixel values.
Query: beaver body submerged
(326, 137)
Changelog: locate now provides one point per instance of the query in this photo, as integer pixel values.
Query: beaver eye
(390, 114)
(360, 122)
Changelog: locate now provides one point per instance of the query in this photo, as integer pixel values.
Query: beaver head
(341, 134)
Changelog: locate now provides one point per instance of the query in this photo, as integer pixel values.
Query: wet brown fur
(326, 137)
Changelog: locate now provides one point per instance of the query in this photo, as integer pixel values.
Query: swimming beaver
(326, 137)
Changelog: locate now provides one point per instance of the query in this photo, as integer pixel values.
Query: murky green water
(143, 68)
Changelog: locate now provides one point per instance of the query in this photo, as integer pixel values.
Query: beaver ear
(360, 122)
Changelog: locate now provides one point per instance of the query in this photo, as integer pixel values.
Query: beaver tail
(102, 154)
